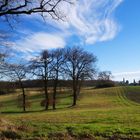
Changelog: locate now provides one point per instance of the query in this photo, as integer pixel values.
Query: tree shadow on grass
(37, 111)
(21, 112)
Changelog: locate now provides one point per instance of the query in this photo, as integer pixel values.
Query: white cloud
(35, 42)
(127, 75)
(93, 20)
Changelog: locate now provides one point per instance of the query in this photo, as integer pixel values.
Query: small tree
(134, 82)
(127, 82)
(104, 80)
(139, 82)
(105, 75)
(18, 72)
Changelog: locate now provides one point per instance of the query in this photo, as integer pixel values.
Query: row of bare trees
(73, 64)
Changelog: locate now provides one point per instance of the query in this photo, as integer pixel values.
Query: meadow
(102, 114)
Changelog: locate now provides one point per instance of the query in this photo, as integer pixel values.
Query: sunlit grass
(98, 111)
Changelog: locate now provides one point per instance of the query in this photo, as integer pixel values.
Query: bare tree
(58, 61)
(18, 72)
(13, 8)
(41, 67)
(104, 80)
(105, 75)
(79, 66)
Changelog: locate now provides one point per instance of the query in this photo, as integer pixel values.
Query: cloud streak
(93, 20)
(90, 20)
(35, 42)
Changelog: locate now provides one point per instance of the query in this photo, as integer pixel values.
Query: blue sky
(108, 28)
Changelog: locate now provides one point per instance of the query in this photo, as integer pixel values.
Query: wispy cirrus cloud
(92, 20)
(35, 42)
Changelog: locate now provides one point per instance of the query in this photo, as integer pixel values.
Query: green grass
(111, 113)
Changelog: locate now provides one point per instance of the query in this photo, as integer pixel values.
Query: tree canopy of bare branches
(18, 72)
(78, 67)
(41, 67)
(19, 7)
(105, 75)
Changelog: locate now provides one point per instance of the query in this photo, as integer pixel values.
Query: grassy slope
(103, 113)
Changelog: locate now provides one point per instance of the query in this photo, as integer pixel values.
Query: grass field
(111, 113)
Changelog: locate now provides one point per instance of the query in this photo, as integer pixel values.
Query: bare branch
(30, 7)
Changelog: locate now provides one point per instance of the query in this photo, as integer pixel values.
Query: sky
(110, 29)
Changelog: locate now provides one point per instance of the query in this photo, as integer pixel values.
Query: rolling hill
(111, 113)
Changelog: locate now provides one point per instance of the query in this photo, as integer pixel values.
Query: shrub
(20, 102)
(43, 102)
(105, 84)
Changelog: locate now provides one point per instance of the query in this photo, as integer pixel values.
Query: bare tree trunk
(74, 98)
(24, 100)
(46, 95)
(54, 95)
(74, 93)
(79, 85)
(55, 90)
(46, 88)
(24, 96)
